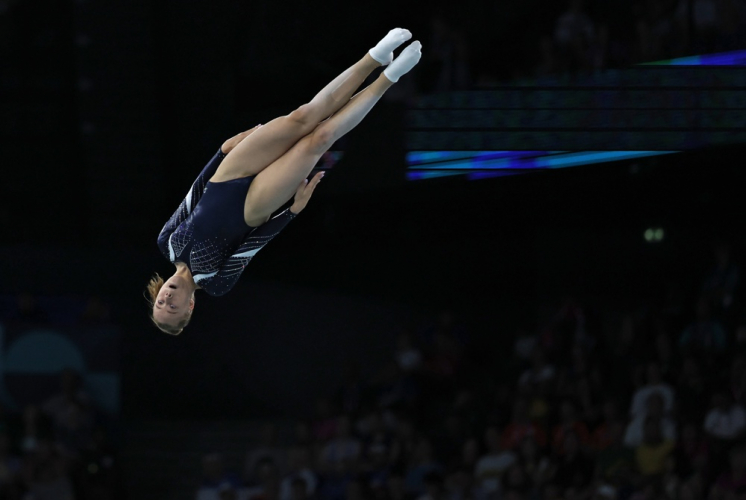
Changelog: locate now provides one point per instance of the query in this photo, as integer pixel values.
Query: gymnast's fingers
(301, 188)
(314, 182)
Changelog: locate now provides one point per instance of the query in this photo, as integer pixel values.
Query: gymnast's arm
(221, 282)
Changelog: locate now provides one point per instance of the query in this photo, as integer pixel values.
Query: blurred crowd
(576, 36)
(32, 309)
(639, 404)
(57, 448)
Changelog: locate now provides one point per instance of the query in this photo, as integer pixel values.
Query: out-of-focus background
(434, 325)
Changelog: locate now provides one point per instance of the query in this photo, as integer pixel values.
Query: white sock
(405, 62)
(383, 52)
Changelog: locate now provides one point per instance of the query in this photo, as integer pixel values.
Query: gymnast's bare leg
(279, 181)
(263, 145)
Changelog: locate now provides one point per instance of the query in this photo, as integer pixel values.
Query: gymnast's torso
(209, 234)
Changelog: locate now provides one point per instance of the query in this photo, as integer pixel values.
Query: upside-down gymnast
(226, 217)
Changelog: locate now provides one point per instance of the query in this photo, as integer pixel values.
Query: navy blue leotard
(209, 234)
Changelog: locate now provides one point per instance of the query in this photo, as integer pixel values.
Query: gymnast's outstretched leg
(267, 143)
(277, 183)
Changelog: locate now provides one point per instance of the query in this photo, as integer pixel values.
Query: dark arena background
(521, 278)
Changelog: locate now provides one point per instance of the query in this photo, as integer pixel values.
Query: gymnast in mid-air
(227, 215)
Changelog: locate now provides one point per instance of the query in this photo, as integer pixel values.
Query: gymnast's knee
(321, 139)
(303, 116)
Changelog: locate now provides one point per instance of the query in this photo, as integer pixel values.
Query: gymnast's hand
(304, 192)
(233, 141)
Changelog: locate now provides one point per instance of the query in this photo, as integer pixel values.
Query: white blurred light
(649, 235)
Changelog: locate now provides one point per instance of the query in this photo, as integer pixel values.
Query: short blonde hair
(154, 286)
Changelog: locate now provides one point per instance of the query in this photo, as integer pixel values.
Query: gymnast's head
(172, 303)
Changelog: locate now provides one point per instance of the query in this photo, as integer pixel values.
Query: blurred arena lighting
(487, 164)
(654, 234)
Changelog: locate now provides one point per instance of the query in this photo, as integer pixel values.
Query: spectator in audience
(395, 388)
(692, 452)
(615, 462)
(298, 490)
(420, 465)
(344, 447)
(705, 335)
(267, 486)
(71, 398)
(703, 26)
(299, 462)
(575, 35)
(732, 482)
(407, 355)
(378, 460)
(493, 464)
(738, 379)
(448, 324)
(324, 425)
(444, 359)
(720, 284)
(569, 423)
(635, 434)
(726, 420)
(446, 66)
(521, 426)
(515, 482)
(214, 473)
(98, 468)
(396, 488)
(226, 491)
(539, 373)
(448, 437)
(652, 454)
(538, 467)
(434, 487)
(603, 435)
(693, 488)
(691, 389)
(35, 427)
(350, 394)
(524, 345)
(656, 31)
(405, 440)
(469, 457)
(46, 474)
(335, 481)
(357, 489)
(302, 435)
(460, 485)
(267, 448)
(10, 466)
(664, 350)
(74, 430)
(655, 384)
(574, 469)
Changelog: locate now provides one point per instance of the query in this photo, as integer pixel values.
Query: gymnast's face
(175, 301)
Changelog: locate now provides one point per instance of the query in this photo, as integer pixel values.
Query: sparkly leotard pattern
(208, 232)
